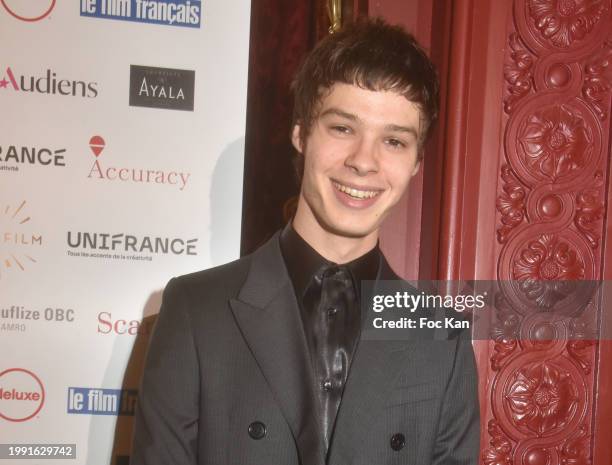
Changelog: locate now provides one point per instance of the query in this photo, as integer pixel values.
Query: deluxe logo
(167, 88)
(12, 156)
(22, 394)
(30, 11)
(96, 401)
(48, 83)
(105, 172)
(184, 13)
(18, 242)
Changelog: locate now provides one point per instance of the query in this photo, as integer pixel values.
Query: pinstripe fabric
(229, 349)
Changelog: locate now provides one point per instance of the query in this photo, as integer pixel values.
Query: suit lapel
(268, 315)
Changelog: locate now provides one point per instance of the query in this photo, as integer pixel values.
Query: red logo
(22, 394)
(97, 144)
(30, 11)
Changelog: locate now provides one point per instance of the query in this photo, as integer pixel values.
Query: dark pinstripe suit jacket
(229, 350)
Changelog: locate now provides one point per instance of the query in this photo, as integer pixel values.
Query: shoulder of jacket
(227, 276)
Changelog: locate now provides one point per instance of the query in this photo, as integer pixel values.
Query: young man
(261, 361)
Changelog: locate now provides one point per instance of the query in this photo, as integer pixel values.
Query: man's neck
(334, 247)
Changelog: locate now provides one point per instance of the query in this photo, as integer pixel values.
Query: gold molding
(334, 11)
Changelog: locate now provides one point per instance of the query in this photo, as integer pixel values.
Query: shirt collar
(303, 261)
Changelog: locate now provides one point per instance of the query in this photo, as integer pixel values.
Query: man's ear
(416, 168)
(296, 138)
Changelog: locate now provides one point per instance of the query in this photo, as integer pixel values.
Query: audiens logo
(30, 11)
(104, 172)
(184, 13)
(96, 401)
(22, 394)
(12, 156)
(18, 242)
(161, 88)
(48, 83)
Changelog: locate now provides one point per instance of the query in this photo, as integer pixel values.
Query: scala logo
(184, 13)
(104, 172)
(17, 241)
(22, 394)
(48, 83)
(108, 325)
(165, 88)
(30, 11)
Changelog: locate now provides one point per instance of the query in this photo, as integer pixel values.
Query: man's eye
(395, 143)
(341, 129)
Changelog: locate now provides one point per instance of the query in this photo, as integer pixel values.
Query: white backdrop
(86, 244)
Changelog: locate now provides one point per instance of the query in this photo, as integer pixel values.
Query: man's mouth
(356, 193)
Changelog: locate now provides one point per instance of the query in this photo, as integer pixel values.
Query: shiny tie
(331, 312)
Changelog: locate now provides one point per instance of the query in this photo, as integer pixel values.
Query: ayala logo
(104, 172)
(49, 83)
(17, 241)
(22, 394)
(165, 88)
(29, 11)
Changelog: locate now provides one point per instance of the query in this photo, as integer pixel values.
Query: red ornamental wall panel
(553, 175)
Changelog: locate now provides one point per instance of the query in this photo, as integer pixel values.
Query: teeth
(355, 193)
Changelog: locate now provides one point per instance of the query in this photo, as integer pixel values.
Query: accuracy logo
(97, 401)
(102, 172)
(49, 83)
(166, 88)
(22, 394)
(18, 242)
(185, 13)
(30, 11)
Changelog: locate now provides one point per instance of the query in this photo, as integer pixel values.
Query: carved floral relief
(542, 398)
(564, 22)
(556, 141)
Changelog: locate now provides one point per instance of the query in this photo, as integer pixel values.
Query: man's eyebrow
(338, 112)
(409, 129)
(350, 116)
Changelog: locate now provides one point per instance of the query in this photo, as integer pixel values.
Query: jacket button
(398, 441)
(257, 430)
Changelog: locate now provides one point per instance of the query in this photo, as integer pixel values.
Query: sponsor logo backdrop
(121, 158)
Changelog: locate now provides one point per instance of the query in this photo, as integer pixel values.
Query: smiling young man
(262, 360)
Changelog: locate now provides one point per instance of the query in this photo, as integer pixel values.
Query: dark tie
(332, 321)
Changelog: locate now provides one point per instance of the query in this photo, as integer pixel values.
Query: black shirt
(328, 296)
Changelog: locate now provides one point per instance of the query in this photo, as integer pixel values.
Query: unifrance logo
(18, 242)
(22, 395)
(166, 88)
(97, 401)
(100, 171)
(14, 156)
(30, 10)
(47, 83)
(130, 247)
(185, 13)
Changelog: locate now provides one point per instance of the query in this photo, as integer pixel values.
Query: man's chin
(349, 230)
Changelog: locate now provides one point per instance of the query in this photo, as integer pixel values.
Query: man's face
(358, 160)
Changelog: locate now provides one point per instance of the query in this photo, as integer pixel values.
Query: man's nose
(363, 158)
